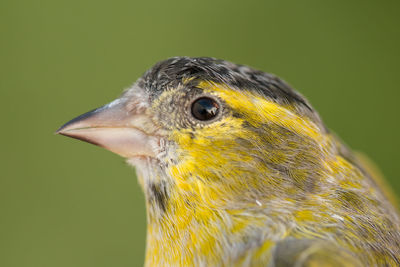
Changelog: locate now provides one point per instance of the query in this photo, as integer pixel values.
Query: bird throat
(195, 220)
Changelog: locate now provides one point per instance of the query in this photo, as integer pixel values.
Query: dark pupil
(205, 108)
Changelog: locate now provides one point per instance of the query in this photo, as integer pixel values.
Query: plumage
(260, 181)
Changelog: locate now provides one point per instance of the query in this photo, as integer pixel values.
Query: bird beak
(128, 132)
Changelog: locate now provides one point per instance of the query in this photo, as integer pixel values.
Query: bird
(238, 169)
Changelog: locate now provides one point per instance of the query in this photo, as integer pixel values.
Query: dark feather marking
(171, 72)
(159, 195)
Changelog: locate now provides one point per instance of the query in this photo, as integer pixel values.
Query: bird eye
(205, 108)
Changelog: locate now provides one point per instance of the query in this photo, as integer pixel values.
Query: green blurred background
(66, 203)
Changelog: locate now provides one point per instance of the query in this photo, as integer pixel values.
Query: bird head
(211, 131)
(231, 158)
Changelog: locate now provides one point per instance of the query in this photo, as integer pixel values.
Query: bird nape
(238, 170)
